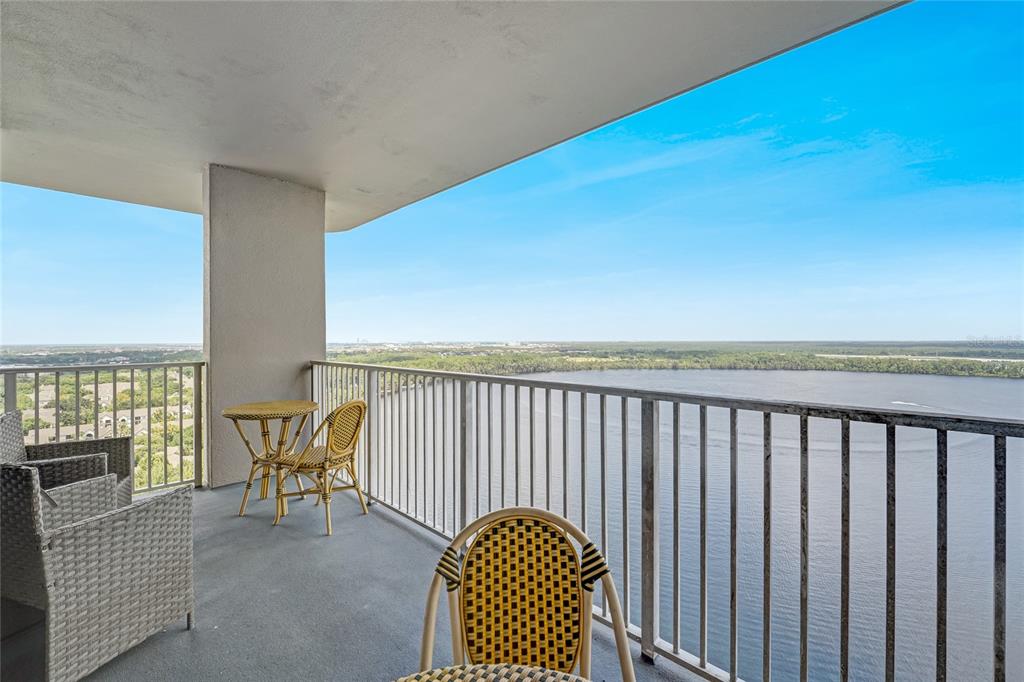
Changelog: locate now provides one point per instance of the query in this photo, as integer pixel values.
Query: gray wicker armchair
(70, 461)
(108, 577)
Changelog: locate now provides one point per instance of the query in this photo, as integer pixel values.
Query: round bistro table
(501, 672)
(264, 413)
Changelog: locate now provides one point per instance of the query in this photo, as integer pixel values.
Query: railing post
(197, 422)
(11, 392)
(372, 391)
(650, 437)
(466, 412)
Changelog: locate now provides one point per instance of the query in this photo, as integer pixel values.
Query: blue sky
(867, 186)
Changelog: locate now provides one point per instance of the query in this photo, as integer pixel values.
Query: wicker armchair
(522, 595)
(70, 461)
(107, 576)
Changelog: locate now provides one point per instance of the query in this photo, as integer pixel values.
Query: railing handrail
(949, 422)
(49, 369)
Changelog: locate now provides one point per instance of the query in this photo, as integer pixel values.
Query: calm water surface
(970, 518)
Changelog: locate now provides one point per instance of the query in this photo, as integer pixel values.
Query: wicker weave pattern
(12, 440)
(107, 581)
(119, 458)
(274, 409)
(57, 472)
(21, 530)
(343, 427)
(491, 673)
(79, 501)
(521, 595)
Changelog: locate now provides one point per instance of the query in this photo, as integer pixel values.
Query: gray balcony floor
(289, 603)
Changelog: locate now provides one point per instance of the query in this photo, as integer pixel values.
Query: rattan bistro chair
(521, 595)
(321, 464)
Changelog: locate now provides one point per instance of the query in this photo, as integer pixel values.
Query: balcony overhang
(378, 104)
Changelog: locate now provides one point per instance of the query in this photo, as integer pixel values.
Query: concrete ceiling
(380, 104)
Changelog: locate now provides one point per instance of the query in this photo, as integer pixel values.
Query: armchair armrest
(80, 500)
(118, 450)
(65, 470)
(117, 578)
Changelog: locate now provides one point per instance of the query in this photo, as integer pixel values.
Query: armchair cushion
(12, 440)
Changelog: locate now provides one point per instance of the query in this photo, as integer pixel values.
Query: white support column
(263, 299)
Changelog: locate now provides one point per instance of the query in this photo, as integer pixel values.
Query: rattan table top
(501, 672)
(273, 409)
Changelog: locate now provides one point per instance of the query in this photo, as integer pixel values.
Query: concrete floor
(289, 603)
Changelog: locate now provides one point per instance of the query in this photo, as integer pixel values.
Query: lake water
(970, 511)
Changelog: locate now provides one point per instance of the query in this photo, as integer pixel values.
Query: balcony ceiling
(379, 104)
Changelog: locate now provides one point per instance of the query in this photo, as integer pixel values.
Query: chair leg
(265, 482)
(298, 485)
(319, 482)
(359, 491)
(282, 502)
(248, 487)
(327, 511)
(189, 621)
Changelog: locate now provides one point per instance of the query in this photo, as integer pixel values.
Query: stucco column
(263, 300)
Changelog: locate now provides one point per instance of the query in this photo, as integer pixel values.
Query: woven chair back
(343, 426)
(521, 595)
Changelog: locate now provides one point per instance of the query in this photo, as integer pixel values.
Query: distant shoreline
(984, 359)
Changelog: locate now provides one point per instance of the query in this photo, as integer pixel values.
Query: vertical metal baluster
(501, 423)
(625, 508)
(197, 423)
(844, 569)
(490, 445)
(734, 659)
(479, 445)
(35, 403)
(96, 403)
(805, 564)
(56, 406)
(113, 427)
(676, 408)
(416, 446)
(78, 404)
(565, 453)
(533, 446)
(388, 441)
(603, 411)
(166, 477)
(444, 455)
(650, 535)
(408, 446)
(181, 424)
(515, 438)
(703, 632)
(547, 448)
(435, 479)
(131, 405)
(890, 552)
(999, 561)
(766, 585)
(941, 452)
(149, 426)
(583, 461)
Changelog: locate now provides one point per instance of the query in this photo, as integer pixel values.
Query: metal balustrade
(103, 401)
(442, 448)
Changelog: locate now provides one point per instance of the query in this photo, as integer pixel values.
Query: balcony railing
(646, 471)
(158, 405)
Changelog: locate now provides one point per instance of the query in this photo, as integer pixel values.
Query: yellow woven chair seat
(317, 458)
